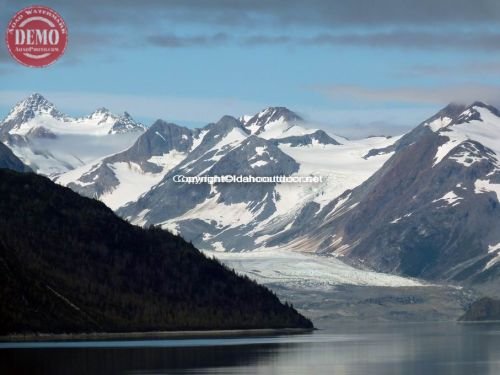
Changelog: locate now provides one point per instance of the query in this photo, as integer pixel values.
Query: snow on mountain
(432, 211)
(479, 123)
(280, 117)
(37, 112)
(52, 143)
(422, 205)
(237, 217)
(125, 176)
(26, 110)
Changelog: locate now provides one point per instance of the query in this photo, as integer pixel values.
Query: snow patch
(485, 131)
(451, 199)
(485, 186)
(493, 249)
(133, 182)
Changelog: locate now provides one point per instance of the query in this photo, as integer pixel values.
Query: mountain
(432, 211)
(242, 217)
(9, 161)
(422, 205)
(285, 127)
(123, 177)
(68, 264)
(36, 112)
(52, 142)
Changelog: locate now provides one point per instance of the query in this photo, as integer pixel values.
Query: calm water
(345, 350)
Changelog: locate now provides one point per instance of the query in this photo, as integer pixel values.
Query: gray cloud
(423, 40)
(176, 41)
(470, 68)
(423, 24)
(464, 93)
(413, 39)
(328, 13)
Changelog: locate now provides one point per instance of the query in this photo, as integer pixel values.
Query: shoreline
(154, 335)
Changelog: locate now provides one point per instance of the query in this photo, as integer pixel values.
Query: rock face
(68, 264)
(484, 309)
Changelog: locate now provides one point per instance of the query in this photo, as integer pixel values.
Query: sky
(355, 68)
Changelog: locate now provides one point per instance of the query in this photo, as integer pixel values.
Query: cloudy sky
(356, 67)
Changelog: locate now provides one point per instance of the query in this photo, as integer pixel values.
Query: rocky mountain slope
(432, 211)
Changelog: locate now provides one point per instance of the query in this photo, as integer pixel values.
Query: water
(346, 350)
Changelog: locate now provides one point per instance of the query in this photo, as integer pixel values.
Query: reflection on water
(348, 350)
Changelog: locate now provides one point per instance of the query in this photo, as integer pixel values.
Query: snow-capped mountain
(123, 177)
(273, 117)
(432, 211)
(52, 142)
(138, 182)
(36, 112)
(239, 217)
(422, 205)
(284, 127)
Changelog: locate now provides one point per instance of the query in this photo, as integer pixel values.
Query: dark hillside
(69, 264)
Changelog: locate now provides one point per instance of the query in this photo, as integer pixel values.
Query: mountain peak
(258, 122)
(277, 113)
(36, 96)
(457, 113)
(479, 104)
(280, 112)
(102, 110)
(35, 101)
(225, 125)
(30, 107)
(228, 120)
(452, 110)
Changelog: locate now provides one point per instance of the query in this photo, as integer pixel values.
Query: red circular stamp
(36, 36)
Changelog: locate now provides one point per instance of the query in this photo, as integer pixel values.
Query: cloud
(400, 39)
(476, 68)
(363, 122)
(462, 93)
(326, 13)
(176, 41)
(424, 24)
